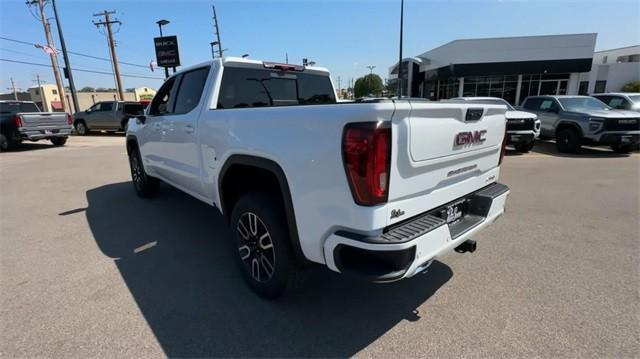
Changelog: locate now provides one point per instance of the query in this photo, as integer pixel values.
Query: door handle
(188, 129)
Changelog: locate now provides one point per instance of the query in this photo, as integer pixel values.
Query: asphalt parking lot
(90, 270)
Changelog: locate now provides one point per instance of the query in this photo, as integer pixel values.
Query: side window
(548, 105)
(95, 107)
(106, 106)
(617, 103)
(160, 104)
(532, 104)
(190, 90)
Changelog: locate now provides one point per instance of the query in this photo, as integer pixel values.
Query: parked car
(376, 189)
(577, 120)
(107, 115)
(620, 101)
(22, 120)
(522, 127)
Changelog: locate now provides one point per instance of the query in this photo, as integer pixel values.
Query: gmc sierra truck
(22, 120)
(375, 189)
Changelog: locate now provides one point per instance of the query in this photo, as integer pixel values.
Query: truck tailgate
(44, 120)
(441, 152)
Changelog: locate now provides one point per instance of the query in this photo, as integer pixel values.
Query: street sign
(167, 54)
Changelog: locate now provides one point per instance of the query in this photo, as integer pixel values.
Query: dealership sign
(167, 54)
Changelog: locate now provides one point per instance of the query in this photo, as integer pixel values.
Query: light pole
(371, 69)
(400, 54)
(161, 23)
(67, 64)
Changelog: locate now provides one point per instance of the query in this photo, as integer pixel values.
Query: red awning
(56, 105)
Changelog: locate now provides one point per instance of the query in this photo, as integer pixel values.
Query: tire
(144, 185)
(261, 244)
(4, 143)
(524, 147)
(81, 128)
(568, 140)
(59, 141)
(624, 149)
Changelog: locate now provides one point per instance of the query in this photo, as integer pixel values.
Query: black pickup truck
(22, 120)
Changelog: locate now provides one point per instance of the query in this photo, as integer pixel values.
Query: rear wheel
(4, 143)
(59, 141)
(621, 148)
(263, 250)
(524, 147)
(568, 140)
(144, 185)
(81, 128)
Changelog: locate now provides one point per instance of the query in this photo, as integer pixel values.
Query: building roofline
(506, 37)
(617, 48)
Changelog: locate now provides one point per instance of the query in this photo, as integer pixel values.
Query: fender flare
(273, 167)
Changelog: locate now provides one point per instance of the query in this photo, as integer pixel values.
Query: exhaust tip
(466, 246)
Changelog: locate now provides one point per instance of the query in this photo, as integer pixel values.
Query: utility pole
(400, 55)
(371, 69)
(15, 92)
(215, 24)
(339, 93)
(37, 80)
(107, 22)
(286, 57)
(67, 64)
(52, 51)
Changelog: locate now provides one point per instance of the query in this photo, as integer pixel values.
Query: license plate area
(454, 212)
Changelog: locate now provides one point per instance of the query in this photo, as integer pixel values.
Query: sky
(343, 36)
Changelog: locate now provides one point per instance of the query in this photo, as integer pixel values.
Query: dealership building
(516, 67)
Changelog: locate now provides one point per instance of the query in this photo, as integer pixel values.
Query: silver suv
(107, 115)
(577, 120)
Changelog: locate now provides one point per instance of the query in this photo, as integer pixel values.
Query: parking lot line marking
(145, 247)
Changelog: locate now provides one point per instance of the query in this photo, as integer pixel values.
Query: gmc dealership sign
(167, 54)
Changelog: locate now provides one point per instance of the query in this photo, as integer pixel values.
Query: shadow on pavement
(549, 148)
(174, 255)
(31, 146)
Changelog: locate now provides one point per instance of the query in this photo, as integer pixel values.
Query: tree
(369, 85)
(87, 89)
(633, 86)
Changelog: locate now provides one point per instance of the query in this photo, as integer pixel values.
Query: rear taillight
(366, 152)
(69, 119)
(504, 145)
(18, 121)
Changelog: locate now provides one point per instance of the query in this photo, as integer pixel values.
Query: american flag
(47, 49)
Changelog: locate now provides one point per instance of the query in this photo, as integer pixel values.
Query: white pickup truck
(375, 189)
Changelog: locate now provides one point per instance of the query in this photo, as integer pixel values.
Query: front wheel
(524, 147)
(568, 140)
(624, 149)
(81, 128)
(59, 141)
(263, 250)
(144, 185)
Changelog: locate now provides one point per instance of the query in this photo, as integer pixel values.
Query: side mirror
(141, 119)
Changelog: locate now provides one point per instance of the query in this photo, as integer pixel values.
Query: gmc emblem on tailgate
(470, 137)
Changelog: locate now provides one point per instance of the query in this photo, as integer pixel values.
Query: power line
(76, 53)
(83, 70)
